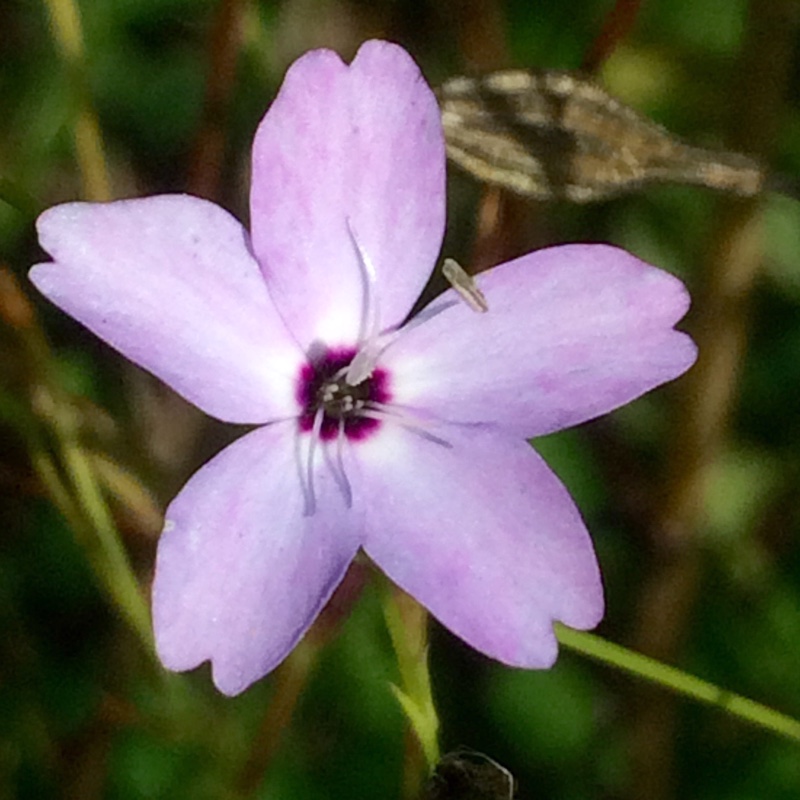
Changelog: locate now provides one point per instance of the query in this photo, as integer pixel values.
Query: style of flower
(404, 438)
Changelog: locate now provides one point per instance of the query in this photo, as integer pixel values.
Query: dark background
(691, 494)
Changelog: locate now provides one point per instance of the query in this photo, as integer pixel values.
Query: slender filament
(340, 473)
(311, 495)
(385, 413)
(364, 361)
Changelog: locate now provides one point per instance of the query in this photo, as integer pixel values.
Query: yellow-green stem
(91, 523)
(81, 501)
(677, 681)
(65, 23)
(407, 624)
(51, 426)
(117, 573)
(76, 489)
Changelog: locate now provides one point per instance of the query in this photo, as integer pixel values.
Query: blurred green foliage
(83, 710)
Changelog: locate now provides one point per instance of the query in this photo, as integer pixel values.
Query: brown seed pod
(560, 136)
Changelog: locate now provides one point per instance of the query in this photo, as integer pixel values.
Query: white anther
(465, 285)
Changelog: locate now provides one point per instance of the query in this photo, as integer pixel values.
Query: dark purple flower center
(322, 385)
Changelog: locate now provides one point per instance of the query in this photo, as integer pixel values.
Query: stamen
(465, 285)
(311, 497)
(366, 358)
(428, 313)
(340, 473)
(385, 413)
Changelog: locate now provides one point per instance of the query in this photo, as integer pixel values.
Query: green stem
(75, 488)
(65, 23)
(407, 624)
(51, 425)
(675, 680)
(115, 567)
(81, 500)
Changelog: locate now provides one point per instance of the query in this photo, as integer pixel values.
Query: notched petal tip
(372, 150)
(241, 574)
(170, 283)
(496, 555)
(573, 332)
(686, 352)
(228, 683)
(538, 647)
(63, 214)
(586, 609)
(672, 298)
(312, 69)
(52, 227)
(229, 679)
(39, 275)
(379, 54)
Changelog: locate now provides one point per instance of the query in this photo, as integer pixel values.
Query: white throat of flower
(360, 368)
(372, 343)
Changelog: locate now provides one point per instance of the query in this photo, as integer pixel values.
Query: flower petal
(484, 535)
(170, 283)
(571, 333)
(241, 572)
(359, 146)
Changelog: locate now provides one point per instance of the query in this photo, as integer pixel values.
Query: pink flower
(406, 439)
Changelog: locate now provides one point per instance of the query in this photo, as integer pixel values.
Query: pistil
(366, 359)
